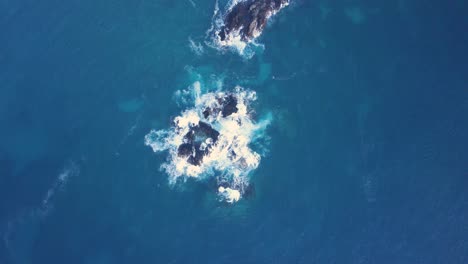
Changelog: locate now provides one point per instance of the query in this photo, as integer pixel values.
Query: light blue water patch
(355, 14)
(131, 106)
(264, 72)
(324, 10)
(206, 75)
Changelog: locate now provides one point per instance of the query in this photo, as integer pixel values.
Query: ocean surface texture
(151, 131)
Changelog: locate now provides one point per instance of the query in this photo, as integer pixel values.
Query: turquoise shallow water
(367, 155)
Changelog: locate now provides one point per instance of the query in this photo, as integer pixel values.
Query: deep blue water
(367, 159)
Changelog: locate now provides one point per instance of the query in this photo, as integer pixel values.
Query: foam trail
(22, 229)
(193, 3)
(212, 139)
(70, 170)
(197, 48)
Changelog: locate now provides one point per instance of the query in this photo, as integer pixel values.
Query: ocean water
(365, 159)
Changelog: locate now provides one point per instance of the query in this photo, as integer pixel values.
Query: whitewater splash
(212, 139)
(241, 23)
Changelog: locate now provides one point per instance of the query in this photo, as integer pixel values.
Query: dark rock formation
(195, 146)
(229, 105)
(192, 148)
(249, 17)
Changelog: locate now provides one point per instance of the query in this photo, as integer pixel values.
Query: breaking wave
(212, 138)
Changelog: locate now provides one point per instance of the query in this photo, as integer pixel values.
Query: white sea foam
(197, 48)
(228, 158)
(193, 3)
(229, 194)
